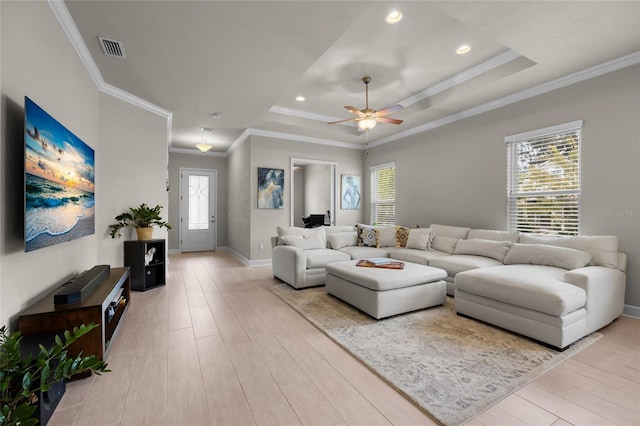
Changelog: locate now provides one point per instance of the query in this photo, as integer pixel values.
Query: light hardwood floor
(216, 347)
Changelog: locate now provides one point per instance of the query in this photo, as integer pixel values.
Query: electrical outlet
(261, 246)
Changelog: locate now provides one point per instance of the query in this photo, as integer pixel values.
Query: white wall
(317, 194)
(240, 201)
(197, 161)
(277, 153)
(38, 61)
(456, 174)
(131, 169)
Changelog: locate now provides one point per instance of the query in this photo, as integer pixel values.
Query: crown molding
(61, 12)
(71, 30)
(238, 141)
(306, 139)
(577, 77)
(460, 78)
(305, 114)
(197, 152)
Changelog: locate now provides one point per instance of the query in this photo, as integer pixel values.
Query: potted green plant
(143, 218)
(22, 379)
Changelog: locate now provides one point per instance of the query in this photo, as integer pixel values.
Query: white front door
(197, 210)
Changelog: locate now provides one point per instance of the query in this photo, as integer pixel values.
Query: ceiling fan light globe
(367, 123)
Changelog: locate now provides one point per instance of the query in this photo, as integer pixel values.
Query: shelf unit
(112, 295)
(145, 273)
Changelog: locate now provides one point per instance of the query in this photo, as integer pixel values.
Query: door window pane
(198, 202)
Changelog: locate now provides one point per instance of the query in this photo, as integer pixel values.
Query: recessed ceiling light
(393, 17)
(462, 49)
(300, 98)
(207, 129)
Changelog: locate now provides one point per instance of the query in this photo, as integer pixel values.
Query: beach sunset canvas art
(59, 182)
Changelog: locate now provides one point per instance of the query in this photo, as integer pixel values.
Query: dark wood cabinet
(105, 305)
(147, 262)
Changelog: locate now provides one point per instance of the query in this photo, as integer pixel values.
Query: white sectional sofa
(552, 289)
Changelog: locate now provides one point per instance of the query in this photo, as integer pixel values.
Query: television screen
(59, 182)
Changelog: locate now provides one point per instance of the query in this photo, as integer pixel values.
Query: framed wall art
(270, 188)
(351, 192)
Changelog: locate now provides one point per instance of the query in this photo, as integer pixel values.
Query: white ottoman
(384, 292)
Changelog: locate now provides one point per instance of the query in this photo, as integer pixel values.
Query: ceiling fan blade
(355, 110)
(389, 110)
(388, 120)
(344, 121)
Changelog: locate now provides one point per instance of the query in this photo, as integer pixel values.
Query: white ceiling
(248, 60)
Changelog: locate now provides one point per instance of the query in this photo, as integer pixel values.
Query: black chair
(313, 221)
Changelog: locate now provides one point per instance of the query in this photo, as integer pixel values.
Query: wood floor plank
(182, 357)
(225, 396)
(543, 395)
(203, 322)
(267, 402)
(187, 403)
(525, 411)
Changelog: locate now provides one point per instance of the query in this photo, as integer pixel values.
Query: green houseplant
(142, 217)
(21, 379)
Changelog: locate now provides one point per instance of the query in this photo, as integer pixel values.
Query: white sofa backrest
(300, 232)
(489, 234)
(449, 231)
(603, 248)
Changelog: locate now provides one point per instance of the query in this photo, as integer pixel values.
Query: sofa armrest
(289, 264)
(605, 288)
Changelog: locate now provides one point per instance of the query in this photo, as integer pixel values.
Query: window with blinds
(543, 180)
(383, 194)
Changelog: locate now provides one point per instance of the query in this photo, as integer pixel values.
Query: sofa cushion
(603, 248)
(321, 257)
(489, 234)
(305, 242)
(385, 236)
(422, 257)
(535, 287)
(538, 254)
(357, 252)
(294, 230)
(420, 239)
(494, 249)
(456, 232)
(445, 244)
(328, 230)
(337, 240)
(462, 262)
(366, 235)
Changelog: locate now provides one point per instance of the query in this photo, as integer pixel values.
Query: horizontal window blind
(543, 180)
(383, 194)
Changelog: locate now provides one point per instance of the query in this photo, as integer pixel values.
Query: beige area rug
(452, 367)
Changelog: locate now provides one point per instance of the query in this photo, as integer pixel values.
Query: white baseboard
(631, 311)
(247, 262)
(174, 251)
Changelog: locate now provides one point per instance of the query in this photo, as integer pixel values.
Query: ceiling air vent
(112, 47)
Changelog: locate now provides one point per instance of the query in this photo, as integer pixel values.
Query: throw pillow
(444, 244)
(366, 236)
(488, 248)
(402, 233)
(305, 242)
(419, 239)
(343, 239)
(385, 236)
(539, 254)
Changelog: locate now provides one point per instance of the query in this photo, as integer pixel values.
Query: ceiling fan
(367, 118)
